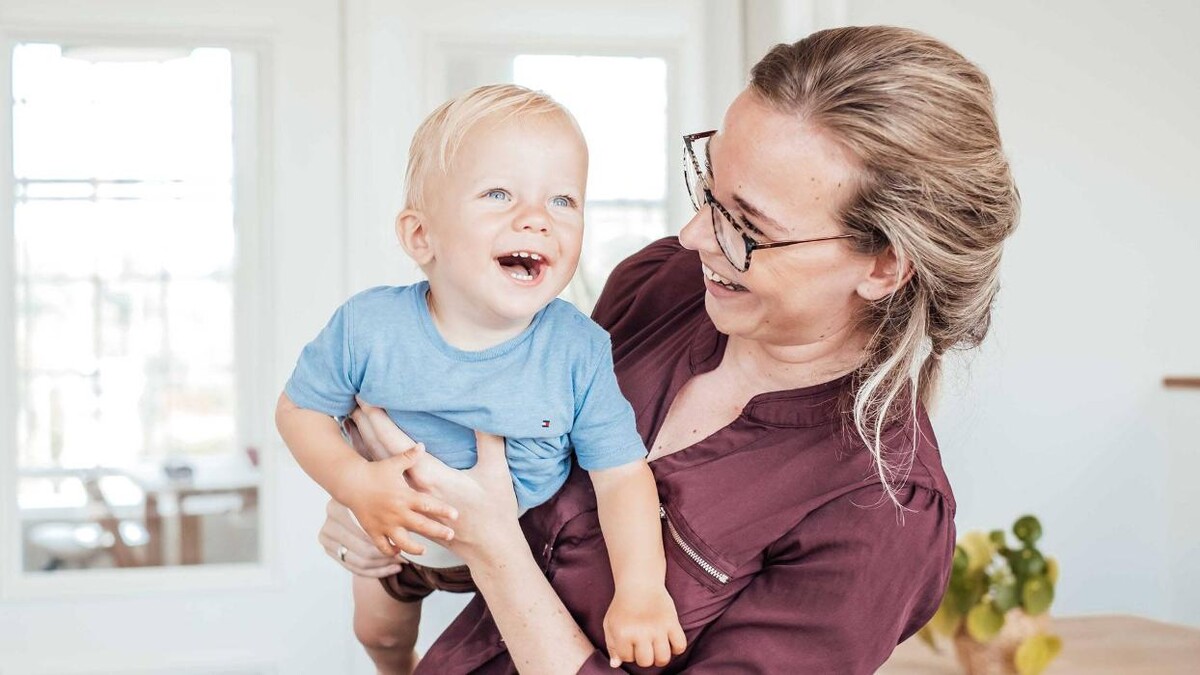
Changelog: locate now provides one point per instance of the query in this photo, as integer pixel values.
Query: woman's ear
(413, 234)
(887, 275)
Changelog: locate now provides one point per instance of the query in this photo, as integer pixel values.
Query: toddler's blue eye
(563, 201)
(496, 194)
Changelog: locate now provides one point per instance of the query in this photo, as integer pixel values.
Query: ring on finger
(341, 553)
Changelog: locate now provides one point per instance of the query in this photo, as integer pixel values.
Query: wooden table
(211, 476)
(1095, 645)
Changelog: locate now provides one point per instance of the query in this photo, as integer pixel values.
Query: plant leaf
(979, 550)
(1028, 529)
(946, 619)
(1036, 652)
(984, 622)
(1037, 594)
(927, 636)
(998, 540)
(1004, 592)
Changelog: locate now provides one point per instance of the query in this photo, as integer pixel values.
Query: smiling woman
(806, 518)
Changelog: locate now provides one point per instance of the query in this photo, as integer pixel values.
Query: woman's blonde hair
(934, 185)
(439, 137)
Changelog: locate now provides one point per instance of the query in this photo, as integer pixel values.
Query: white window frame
(253, 322)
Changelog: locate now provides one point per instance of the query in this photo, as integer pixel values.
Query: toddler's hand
(387, 508)
(641, 626)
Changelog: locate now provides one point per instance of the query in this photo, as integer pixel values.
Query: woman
(779, 356)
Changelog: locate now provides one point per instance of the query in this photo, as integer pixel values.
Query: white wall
(1063, 414)
(291, 614)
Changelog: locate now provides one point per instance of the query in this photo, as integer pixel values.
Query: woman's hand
(483, 495)
(347, 543)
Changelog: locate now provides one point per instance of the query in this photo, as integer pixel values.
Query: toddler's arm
(641, 624)
(376, 492)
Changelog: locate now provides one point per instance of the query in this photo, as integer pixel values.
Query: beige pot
(996, 656)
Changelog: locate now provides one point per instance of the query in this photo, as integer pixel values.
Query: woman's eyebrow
(755, 212)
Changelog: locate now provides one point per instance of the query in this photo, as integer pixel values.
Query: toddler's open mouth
(523, 266)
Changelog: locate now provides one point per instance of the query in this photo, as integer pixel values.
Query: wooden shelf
(1181, 382)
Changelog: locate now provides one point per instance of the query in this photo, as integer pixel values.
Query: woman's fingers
(406, 459)
(341, 527)
(366, 433)
(405, 543)
(370, 564)
(339, 515)
(387, 434)
(385, 546)
(364, 567)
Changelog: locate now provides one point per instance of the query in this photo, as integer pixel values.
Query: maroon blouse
(781, 557)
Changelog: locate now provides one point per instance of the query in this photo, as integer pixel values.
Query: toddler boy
(494, 217)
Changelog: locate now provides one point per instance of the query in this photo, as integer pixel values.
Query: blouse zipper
(691, 552)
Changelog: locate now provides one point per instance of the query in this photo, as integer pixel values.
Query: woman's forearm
(540, 634)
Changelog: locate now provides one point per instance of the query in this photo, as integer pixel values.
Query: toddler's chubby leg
(386, 627)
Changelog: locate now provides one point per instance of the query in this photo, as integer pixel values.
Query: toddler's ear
(414, 236)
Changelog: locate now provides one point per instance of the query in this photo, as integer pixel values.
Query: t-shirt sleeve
(604, 434)
(326, 377)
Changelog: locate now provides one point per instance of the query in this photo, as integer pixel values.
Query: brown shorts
(413, 582)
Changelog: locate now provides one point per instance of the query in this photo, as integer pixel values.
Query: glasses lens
(729, 237)
(695, 170)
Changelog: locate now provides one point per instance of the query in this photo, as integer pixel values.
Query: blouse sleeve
(837, 595)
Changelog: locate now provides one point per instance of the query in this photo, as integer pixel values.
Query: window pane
(125, 269)
(77, 119)
(621, 104)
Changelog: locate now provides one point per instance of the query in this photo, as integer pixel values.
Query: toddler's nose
(533, 220)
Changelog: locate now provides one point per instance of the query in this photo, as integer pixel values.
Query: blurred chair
(80, 543)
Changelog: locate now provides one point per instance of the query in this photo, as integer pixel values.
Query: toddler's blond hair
(441, 134)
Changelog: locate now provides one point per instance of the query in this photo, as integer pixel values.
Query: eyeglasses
(731, 235)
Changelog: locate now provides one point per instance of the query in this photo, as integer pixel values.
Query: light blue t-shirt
(546, 391)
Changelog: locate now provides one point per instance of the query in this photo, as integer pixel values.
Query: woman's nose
(697, 233)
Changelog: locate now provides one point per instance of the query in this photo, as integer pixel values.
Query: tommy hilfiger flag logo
(545, 424)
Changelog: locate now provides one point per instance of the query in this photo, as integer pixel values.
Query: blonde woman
(779, 356)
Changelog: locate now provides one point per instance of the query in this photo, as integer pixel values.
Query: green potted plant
(995, 607)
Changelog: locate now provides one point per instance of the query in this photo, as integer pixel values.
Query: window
(125, 285)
